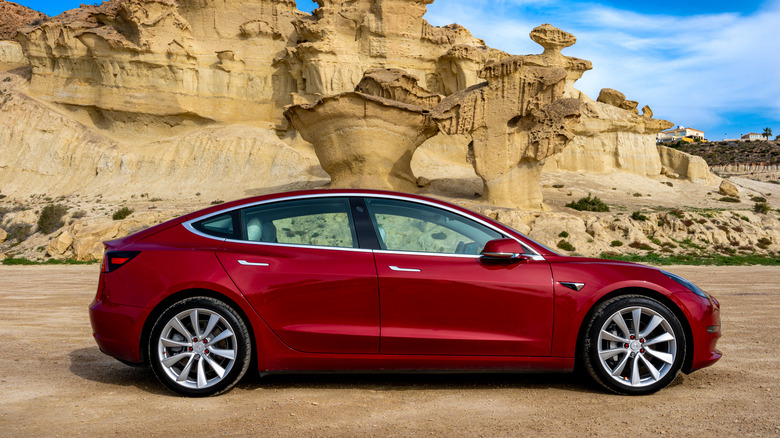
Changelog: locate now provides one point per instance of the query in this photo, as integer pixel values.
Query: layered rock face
(344, 38)
(192, 59)
(233, 61)
(43, 151)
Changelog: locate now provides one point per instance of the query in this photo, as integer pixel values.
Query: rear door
(299, 264)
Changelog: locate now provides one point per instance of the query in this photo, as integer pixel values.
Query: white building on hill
(678, 134)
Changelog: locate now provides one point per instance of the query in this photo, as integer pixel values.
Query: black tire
(628, 362)
(226, 349)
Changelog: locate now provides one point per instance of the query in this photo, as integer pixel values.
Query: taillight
(113, 260)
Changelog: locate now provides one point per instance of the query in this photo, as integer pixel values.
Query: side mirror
(504, 249)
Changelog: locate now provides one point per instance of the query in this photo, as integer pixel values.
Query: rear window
(223, 225)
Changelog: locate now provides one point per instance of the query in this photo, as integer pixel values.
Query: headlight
(688, 285)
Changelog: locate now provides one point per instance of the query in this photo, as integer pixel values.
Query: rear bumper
(117, 329)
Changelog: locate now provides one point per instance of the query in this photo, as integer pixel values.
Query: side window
(223, 225)
(408, 226)
(318, 222)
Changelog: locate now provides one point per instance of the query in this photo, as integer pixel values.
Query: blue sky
(712, 65)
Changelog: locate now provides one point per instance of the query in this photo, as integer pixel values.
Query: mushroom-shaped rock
(554, 40)
(364, 141)
(516, 119)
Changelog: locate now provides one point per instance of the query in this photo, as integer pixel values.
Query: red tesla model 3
(358, 280)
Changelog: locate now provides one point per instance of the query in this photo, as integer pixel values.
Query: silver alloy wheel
(197, 348)
(637, 346)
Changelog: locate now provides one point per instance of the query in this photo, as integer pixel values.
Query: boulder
(611, 97)
(728, 188)
(3, 235)
(630, 105)
(60, 244)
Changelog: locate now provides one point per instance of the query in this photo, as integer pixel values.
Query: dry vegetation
(734, 152)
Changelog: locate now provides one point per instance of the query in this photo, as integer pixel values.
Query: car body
(362, 280)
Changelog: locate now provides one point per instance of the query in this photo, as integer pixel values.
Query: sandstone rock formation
(14, 16)
(204, 85)
(185, 60)
(44, 151)
(685, 166)
(11, 55)
(344, 38)
(611, 138)
(516, 120)
(365, 141)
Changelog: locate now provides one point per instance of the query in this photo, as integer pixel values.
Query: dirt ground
(55, 382)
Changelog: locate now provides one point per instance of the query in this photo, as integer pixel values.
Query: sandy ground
(55, 382)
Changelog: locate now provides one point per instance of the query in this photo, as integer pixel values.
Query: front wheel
(633, 345)
(199, 347)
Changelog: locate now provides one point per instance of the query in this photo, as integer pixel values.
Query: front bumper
(704, 316)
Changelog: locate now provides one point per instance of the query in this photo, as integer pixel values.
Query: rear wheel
(633, 345)
(199, 347)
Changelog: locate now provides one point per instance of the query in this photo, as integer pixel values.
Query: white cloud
(691, 70)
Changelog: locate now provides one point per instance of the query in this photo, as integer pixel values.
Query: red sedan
(358, 280)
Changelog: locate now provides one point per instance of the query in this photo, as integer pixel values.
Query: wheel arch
(190, 293)
(649, 293)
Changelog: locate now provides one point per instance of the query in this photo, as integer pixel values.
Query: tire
(632, 360)
(211, 358)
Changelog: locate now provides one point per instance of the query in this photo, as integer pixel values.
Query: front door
(439, 297)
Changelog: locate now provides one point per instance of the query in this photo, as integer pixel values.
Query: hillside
(722, 153)
(14, 16)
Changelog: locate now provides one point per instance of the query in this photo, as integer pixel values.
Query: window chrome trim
(420, 253)
(530, 252)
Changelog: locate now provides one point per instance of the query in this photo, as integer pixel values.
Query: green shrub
(122, 213)
(763, 243)
(758, 199)
(762, 208)
(563, 234)
(566, 246)
(78, 214)
(637, 216)
(50, 219)
(19, 232)
(728, 199)
(616, 243)
(677, 213)
(589, 204)
(640, 245)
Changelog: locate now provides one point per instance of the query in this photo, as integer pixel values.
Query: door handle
(396, 268)
(246, 263)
